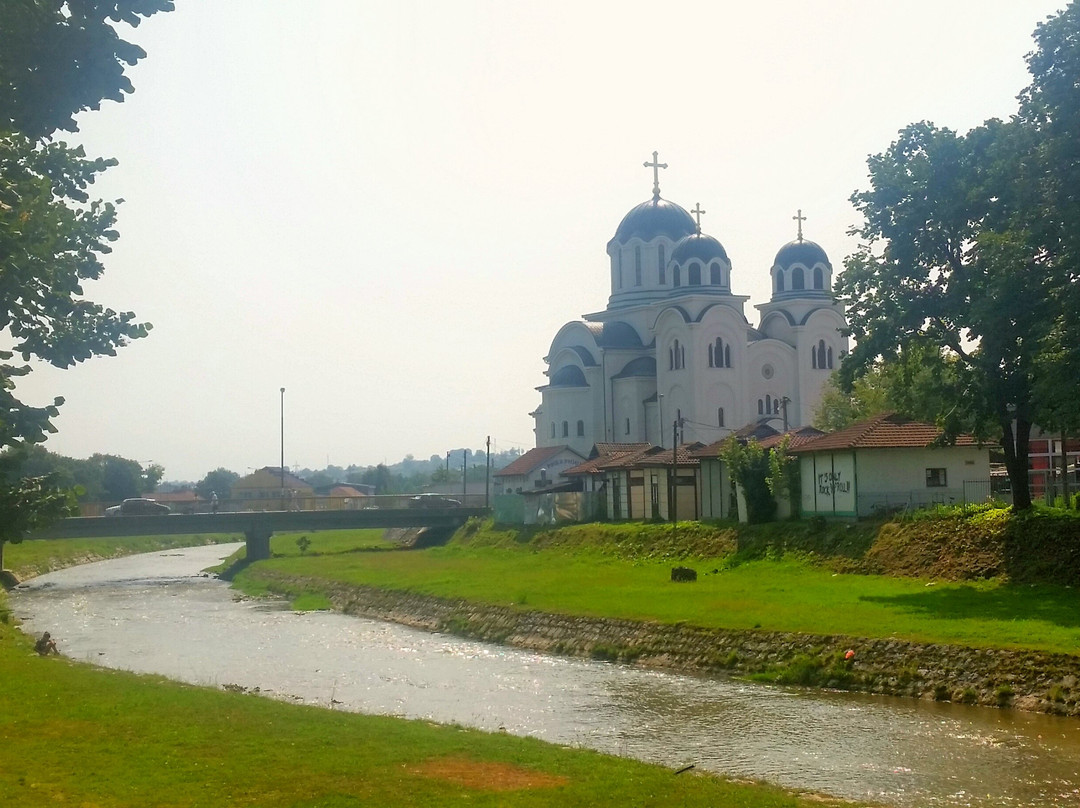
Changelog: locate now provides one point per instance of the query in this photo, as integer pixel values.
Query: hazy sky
(389, 208)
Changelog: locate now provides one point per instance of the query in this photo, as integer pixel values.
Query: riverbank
(764, 604)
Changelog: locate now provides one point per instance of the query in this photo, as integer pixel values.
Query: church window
(819, 278)
(776, 405)
(677, 356)
(823, 357)
(663, 269)
(618, 272)
(716, 275)
(813, 357)
(581, 429)
(712, 362)
(719, 354)
(694, 275)
(671, 359)
(780, 281)
(637, 265)
(627, 426)
(727, 356)
(768, 404)
(682, 356)
(760, 407)
(797, 280)
(553, 429)
(720, 416)
(677, 275)
(565, 429)
(829, 358)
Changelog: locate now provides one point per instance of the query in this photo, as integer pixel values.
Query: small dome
(656, 217)
(642, 367)
(807, 253)
(568, 376)
(698, 245)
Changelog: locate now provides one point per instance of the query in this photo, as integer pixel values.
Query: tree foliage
(969, 244)
(57, 58)
(219, 481)
(748, 465)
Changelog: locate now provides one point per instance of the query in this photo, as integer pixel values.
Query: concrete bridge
(257, 526)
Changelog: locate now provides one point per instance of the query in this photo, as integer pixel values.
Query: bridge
(257, 526)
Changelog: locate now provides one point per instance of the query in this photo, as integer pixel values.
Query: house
(537, 468)
(271, 488)
(889, 462)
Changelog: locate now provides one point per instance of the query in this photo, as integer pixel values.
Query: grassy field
(782, 593)
(77, 735)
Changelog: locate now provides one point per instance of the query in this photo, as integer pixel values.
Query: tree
(28, 503)
(748, 465)
(219, 481)
(57, 58)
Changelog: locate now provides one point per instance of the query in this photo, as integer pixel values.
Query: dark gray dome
(656, 217)
(618, 334)
(699, 246)
(807, 253)
(642, 367)
(568, 376)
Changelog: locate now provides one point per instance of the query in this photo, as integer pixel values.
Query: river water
(157, 613)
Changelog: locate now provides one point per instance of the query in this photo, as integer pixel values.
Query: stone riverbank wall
(1027, 680)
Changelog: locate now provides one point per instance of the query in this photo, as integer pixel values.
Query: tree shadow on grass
(1054, 605)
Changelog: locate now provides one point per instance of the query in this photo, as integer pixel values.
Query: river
(158, 613)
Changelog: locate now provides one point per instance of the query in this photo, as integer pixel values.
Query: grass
(783, 592)
(77, 735)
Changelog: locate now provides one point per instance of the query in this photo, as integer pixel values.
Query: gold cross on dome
(655, 165)
(697, 211)
(800, 219)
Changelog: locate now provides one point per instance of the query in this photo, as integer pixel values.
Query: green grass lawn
(778, 595)
(76, 735)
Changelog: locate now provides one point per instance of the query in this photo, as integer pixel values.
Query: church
(673, 357)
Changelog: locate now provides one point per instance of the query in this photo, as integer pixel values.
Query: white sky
(389, 208)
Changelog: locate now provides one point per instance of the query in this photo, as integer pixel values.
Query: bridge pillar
(258, 542)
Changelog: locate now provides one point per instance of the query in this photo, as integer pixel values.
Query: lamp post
(283, 441)
(660, 413)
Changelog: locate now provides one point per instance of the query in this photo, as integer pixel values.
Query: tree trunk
(1016, 460)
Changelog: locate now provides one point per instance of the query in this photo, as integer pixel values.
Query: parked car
(433, 501)
(138, 506)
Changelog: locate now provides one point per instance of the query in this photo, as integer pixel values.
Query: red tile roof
(532, 459)
(601, 449)
(886, 431)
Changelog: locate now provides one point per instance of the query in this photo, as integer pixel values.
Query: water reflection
(154, 613)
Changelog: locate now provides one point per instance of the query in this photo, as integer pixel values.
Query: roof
(699, 246)
(655, 217)
(685, 455)
(886, 431)
(807, 253)
(532, 459)
(600, 449)
(767, 438)
(290, 480)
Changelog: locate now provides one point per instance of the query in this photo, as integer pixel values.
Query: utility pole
(487, 475)
(785, 401)
(464, 484)
(283, 441)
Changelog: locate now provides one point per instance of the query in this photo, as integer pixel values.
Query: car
(138, 506)
(433, 501)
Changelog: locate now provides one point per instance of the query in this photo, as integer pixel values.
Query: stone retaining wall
(1027, 680)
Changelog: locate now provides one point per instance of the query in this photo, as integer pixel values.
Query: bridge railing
(300, 502)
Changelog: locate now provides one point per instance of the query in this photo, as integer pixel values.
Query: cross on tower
(697, 211)
(655, 165)
(800, 219)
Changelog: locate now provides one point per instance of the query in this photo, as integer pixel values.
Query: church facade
(674, 357)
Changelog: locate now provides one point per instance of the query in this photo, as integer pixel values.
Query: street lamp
(283, 441)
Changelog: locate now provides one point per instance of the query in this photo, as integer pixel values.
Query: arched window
(720, 417)
(618, 272)
(663, 267)
(553, 429)
(627, 426)
(716, 275)
(813, 357)
(712, 364)
(565, 429)
(797, 281)
(678, 356)
(637, 265)
(829, 357)
(780, 281)
(671, 359)
(719, 354)
(776, 405)
(760, 407)
(676, 274)
(682, 356)
(822, 355)
(694, 275)
(581, 429)
(768, 403)
(727, 356)
(819, 278)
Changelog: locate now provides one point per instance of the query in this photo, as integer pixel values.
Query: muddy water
(157, 613)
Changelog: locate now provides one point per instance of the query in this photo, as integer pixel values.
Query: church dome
(698, 245)
(807, 253)
(655, 217)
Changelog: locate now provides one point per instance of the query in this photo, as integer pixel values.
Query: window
(727, 356)
(780, 281)
(581, 429)
(565, 429)
(637, 265)
(671, 359)
(663, 268)
(553, 429)
(829, 358)
(822, 356)
(618, 272)
(797, 281)
(760, 411)
(768, 404)
(694, 275)
(720, 417)
(676, 356)
(819, 278)
(627, 426)
(716, 275)
(677, 275)
(719, 354)
(935, 478)
(813, 357)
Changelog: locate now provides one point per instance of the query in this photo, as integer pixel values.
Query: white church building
(675, 345)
